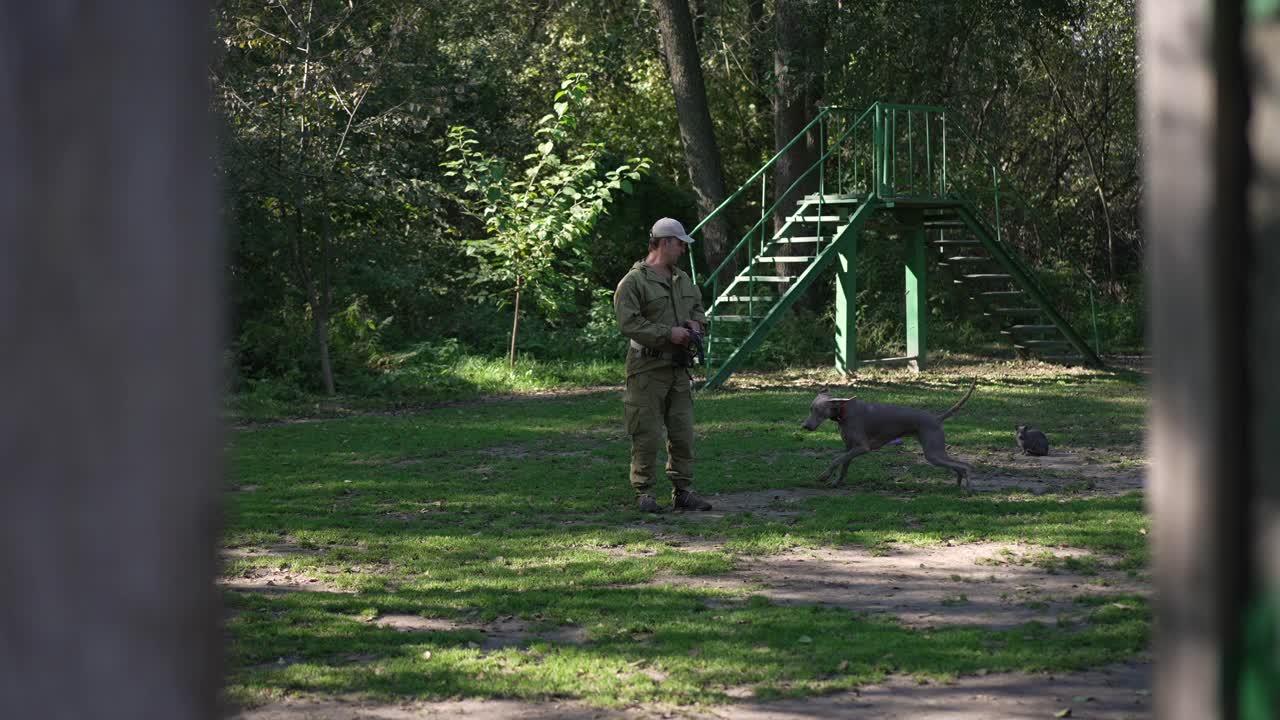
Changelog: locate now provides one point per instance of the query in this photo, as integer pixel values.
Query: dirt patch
(944, 368)
(1089, 472)
(473, 709)
(987, 585)
(285, 547)
(275, 581)
(1112, 693)
(1119, 691)
(991, 585)
(506, 631)
(776, 504)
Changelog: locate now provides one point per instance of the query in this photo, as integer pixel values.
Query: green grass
(459, 378)
(520, 507)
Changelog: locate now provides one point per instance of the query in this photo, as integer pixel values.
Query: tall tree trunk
(320, 329)
(698, 15)
(515, 323)
(316, 289)
(797, 70)
(110, 448)
(324, 304)
(702, 154)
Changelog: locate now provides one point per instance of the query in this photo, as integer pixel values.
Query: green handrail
(1036, 218)
(782, 197)
(693, 271)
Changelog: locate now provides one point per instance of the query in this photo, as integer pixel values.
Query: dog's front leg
(842, 461)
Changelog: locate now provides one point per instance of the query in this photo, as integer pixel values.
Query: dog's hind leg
(934, 444)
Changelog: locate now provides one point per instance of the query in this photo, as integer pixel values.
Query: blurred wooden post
(1261, 691)
(1213, 336)
(110, 362)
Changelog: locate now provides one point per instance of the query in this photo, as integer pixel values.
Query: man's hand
(679, 335)
(695, 326)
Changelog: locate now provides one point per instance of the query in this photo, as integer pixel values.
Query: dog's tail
(958, 405)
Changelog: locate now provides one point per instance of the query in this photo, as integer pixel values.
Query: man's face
(671, 249)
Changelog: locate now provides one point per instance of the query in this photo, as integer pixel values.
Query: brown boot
(646, 503)
(685, 500)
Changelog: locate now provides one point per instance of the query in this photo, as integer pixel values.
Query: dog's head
(823, 407)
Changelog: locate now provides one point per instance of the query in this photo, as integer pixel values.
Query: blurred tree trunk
(109, 445)
(1213, 343)
(702, 154)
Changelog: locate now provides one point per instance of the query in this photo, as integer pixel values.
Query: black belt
(645, 352)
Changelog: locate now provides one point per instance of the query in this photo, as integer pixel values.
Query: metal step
(814, 218)
(1033, 344)
(785, 258)
(764, 278)
(943, 225)
(1032, 328)
(834, 199)
(968, 259)
(955, 242)
(1063, 359)
(1001, 293)
(987, 276)
(1016, 311)
(733, 318)
(747, 298)
(798, 240)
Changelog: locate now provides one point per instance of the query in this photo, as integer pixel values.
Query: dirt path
(1113, 693)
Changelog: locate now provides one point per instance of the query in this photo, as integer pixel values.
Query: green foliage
(536, 216)
(337, 122)
(802, 338)
(600, 338)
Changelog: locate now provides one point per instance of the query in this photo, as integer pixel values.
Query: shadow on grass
(645, 643)
(517, 507)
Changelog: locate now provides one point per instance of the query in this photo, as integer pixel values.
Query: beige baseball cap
(668, 227)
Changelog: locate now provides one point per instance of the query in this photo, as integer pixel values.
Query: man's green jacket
(648, 306)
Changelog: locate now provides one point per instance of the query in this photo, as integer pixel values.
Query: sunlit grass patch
(517, 510)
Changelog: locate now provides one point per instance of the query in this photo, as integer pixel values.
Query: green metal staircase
(890, 160)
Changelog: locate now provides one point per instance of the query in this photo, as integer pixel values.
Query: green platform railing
(893, 155)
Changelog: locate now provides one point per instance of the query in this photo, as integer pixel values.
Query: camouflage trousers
(656, 400)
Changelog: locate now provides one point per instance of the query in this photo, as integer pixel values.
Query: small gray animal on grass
(869, 426)
(1032, 441)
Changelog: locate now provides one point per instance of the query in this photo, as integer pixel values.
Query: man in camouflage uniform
(654, 302)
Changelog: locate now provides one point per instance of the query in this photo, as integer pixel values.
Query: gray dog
(868, 426)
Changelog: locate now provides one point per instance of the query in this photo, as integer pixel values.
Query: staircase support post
(916, 290)
(846, 305)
